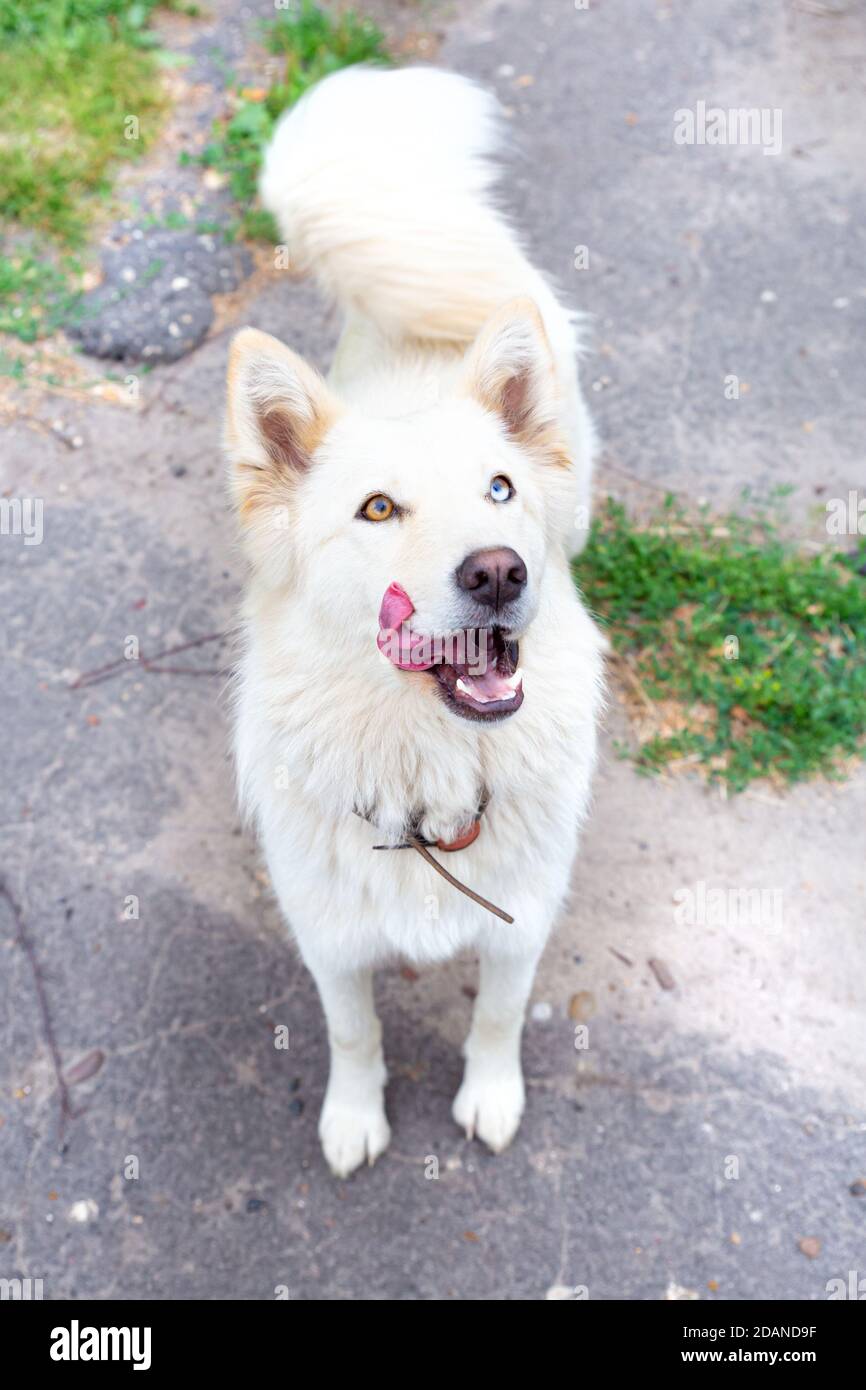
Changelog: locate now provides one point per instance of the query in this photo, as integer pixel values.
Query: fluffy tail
(380, 183)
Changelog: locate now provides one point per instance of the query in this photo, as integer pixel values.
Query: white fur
(381, 185)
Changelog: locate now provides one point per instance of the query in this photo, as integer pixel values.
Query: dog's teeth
(515, 680)
(480, 699)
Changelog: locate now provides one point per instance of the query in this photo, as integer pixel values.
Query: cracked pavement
(708, 1128)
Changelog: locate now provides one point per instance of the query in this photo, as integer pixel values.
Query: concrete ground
(707, 1129)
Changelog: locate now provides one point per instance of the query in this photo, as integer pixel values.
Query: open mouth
(493, 693)
(476, 669)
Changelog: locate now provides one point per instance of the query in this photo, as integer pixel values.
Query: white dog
(417, 665)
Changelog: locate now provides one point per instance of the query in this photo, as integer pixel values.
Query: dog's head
(435, 525)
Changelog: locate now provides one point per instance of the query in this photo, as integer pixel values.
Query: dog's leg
(489, 1103)
(352, 1126)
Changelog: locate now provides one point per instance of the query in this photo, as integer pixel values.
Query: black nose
(493, 577)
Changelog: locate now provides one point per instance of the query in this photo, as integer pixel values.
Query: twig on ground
(115, 668)
(23, 940)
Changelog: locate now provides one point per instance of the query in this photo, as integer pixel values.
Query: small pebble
(82, 1212)
(677, 1293)
(542, 1013)
(581, 1006)
(661, 972)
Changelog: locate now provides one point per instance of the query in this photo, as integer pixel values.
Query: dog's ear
(279, 411)
(510, 370)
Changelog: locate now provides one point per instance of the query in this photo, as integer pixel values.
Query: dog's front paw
(352, 1134)
(489, 1106)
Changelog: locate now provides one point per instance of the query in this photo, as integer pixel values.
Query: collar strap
(468, 836)
(455, 882)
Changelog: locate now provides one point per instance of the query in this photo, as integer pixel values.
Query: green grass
(71, 72)
(36, 296)
(311, 43)
(743, 655)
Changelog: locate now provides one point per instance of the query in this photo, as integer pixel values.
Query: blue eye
(501, 489)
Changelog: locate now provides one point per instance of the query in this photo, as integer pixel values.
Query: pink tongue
(491, 686)
(396, 607)
(409, 651)
(395, 640)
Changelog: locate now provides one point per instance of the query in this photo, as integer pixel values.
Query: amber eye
(378, 508)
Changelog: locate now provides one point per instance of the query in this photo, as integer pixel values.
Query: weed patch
(740, 654)
(310, 44)
(72, 73)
